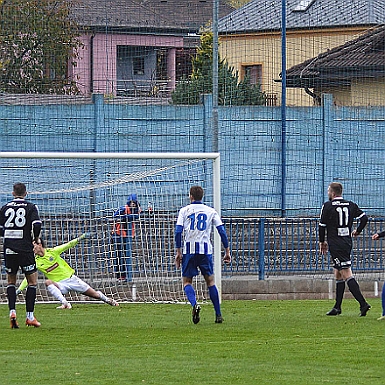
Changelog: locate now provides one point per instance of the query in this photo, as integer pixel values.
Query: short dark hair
(197, 193)
(41, 242)
(19, 189)
(337, 188)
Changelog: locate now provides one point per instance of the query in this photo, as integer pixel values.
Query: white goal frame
(214, 156)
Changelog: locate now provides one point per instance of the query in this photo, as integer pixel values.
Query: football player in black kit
(336, 220)
(20, 225)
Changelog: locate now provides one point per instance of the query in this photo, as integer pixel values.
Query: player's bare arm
(178, 258)
(323, 247)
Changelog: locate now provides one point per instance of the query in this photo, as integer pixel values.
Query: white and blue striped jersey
(197, 220)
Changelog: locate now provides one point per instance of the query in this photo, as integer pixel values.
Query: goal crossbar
(110, 155)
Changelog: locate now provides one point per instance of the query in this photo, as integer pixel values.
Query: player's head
(39, 247)
(335, 190)
(132, 198)
(196, 193)
(19, 190)
(132, 202)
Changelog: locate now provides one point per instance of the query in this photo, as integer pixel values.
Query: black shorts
(341, 258)
(26, 262)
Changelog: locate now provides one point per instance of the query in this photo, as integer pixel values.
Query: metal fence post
(261, 248)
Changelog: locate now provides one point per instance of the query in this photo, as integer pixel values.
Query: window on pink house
(138, 65)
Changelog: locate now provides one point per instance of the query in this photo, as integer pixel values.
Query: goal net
(129, 256)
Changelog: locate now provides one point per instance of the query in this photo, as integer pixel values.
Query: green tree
(231, 90)
(38, 43)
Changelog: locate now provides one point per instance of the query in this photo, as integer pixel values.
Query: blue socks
(383, 299)
(214, 296)
(190, 294)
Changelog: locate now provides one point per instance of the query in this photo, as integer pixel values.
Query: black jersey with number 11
(338, 216)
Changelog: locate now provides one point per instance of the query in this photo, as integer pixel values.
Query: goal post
(80, 192)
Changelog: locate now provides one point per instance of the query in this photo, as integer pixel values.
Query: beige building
(251, 39)
(354, 73)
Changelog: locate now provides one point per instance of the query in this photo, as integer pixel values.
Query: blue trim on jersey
(196, 202)
(178, 236)
(222, 233)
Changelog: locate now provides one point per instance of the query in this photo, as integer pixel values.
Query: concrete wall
(250, 288)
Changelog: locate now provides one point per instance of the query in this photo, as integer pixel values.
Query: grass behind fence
(260, 342)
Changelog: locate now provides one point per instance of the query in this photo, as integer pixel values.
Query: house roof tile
(262, 15)
(364, 55)
(164, 15)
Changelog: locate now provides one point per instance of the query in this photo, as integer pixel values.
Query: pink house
(138, 48)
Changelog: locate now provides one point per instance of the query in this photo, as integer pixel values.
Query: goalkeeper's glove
(84, 236)
(18, 291)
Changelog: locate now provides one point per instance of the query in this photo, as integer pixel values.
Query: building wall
(266, 48)
(362, 88)
(82, 72)
(97, 58)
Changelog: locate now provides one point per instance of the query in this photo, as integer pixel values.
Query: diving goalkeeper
(60, 276)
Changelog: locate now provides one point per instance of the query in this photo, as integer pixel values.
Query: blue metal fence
(261, 247)
(271, 246)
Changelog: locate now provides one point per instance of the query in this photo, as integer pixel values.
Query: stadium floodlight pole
(217, 240)
(215, 76)
(214, 156)
(215, 130)
(283, 112)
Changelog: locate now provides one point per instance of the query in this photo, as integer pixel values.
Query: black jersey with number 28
(338, 216)
(16, 222)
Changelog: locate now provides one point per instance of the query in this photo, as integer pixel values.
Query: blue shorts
(191, 262)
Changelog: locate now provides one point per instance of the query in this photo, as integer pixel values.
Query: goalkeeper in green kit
(60, 276)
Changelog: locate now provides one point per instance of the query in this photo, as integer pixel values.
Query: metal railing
(271, 246)
(260, 247)
(143, 88)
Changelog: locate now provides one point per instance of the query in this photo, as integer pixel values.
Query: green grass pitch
(260, 342)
